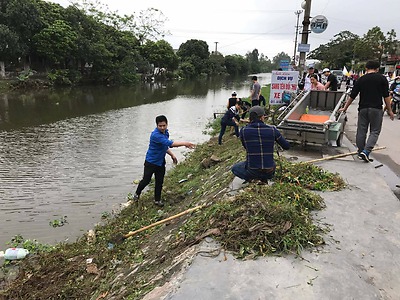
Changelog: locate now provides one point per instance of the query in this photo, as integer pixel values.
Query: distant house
(392, 64)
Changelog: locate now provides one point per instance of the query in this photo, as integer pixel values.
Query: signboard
(303, 47)
(282, 81)
(319, 24)
(284, 64)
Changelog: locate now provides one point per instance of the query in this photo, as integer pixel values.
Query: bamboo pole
(340, 155)
(131, 233)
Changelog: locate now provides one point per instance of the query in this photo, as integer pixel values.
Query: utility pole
(304, 36)
(297, 13)
(216, 43)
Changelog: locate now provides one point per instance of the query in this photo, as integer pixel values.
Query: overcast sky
(269, 25)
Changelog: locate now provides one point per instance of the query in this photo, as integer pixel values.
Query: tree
(161, 55)
(194, 48)
(8, 47)
(391, 44)
(49, 12)
(22, 17)
(371, 45)
(338, 52)
(276, 61)
(216, 64)
(56, 42)
(236, 65)
(195, 53)
(148, 25)
(252, 59)
(265, 64)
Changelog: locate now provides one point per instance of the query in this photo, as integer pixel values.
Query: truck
(314, 118)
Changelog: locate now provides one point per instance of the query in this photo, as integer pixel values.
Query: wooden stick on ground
(341, 155)
(131, 233)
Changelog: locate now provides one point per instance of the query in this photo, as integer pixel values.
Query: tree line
(351, 50)
(87, 42)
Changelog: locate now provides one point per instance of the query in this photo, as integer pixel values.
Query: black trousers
(149, 170)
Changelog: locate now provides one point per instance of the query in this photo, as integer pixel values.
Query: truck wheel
(339, 140)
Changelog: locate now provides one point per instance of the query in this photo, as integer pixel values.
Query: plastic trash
(307, 109)
(14, 253)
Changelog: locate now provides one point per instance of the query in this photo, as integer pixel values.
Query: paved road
(390, 138)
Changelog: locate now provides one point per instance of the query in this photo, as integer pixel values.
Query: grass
(260, 220)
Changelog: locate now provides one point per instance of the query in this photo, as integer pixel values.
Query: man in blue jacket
(258, 139)
(159, 146)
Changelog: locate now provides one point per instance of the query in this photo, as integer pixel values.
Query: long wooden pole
(131, 233)
(341, 155)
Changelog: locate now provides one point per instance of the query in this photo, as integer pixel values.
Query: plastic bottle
(14, 253)
(307, 109)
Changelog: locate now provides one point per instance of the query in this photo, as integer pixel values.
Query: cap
(325, 70)
(234, 93)
(311, 68)
(258, 110)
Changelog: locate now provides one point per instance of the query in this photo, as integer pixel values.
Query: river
(73, 153)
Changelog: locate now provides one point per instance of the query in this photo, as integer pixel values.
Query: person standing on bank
(232, 100)
(372, 87)
(258, 139)
(331, 80)
(255, 92)
(159, 146)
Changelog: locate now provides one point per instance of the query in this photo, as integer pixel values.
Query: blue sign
(303, 48)
(284, 64)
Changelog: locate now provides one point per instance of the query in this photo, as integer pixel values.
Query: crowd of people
(312, 80)
(259, 138)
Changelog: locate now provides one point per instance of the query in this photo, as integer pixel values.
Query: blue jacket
(231, 113)
(259, 139)
(158, 147)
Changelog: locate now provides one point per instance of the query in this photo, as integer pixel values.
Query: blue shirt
(259, 139)
(158, 147)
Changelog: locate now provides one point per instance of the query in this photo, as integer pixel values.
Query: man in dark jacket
(258, 139)
(230, 118)
(372, 87)
(331, 80)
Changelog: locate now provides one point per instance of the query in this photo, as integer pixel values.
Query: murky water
(75, 152)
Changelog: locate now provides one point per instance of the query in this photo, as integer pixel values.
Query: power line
(230, 32)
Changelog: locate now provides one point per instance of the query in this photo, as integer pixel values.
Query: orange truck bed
(314, 118)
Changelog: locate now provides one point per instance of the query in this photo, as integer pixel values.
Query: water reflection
(75, 152)
(19, 109)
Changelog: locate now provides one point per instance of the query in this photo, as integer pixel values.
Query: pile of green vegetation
(258, 220)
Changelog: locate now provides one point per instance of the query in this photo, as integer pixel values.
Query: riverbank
(96, 266)
(5, 85)
(359, 260)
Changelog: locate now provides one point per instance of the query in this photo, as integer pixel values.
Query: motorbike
(395, 102)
